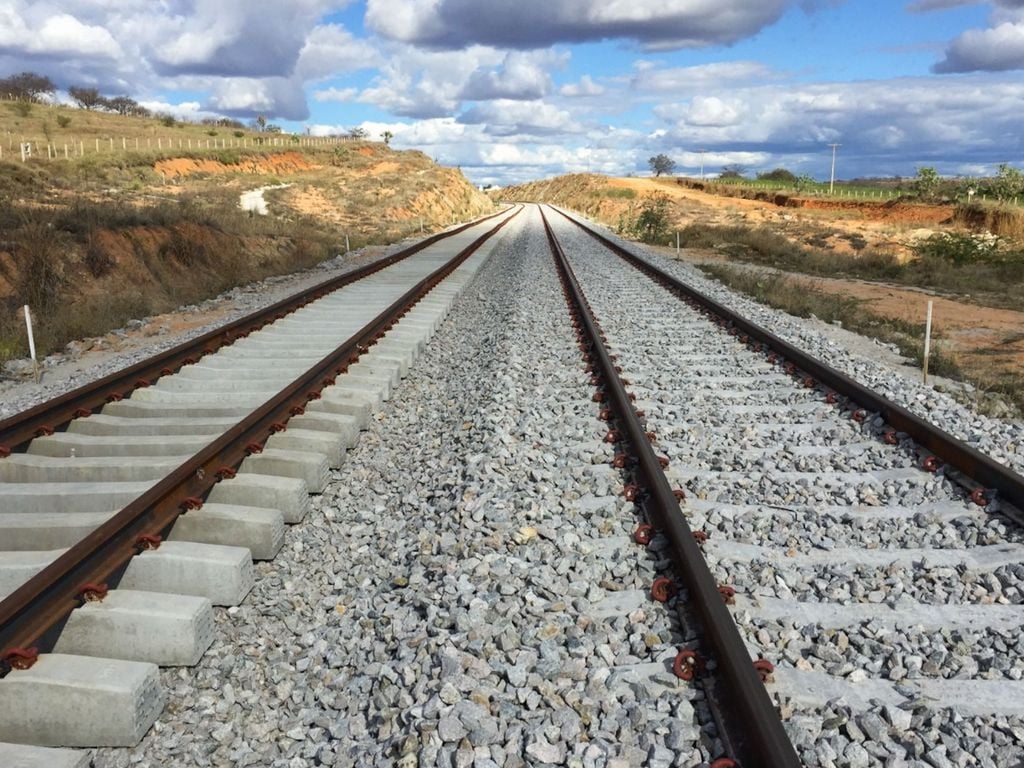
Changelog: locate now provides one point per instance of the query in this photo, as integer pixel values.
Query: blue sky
(515, 91)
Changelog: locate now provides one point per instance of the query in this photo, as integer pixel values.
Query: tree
(261, 123)
(126, 106)
(926, 183)
(357, 133)
(26, 86)
(733, 171)
(387, 136)
(662, 164)
(86, 98)
(780, 175)
(1009, 182)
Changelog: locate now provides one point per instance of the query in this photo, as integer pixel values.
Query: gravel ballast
(466, 592)
(796, 497)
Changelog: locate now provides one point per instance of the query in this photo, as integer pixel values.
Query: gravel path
(466, 591)
(807, 507)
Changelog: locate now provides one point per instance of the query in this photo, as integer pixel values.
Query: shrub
(651, 224)
(959, 247)
(22, 108)
(63, 121)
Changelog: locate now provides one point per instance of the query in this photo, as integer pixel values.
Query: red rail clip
(930, 464)
(663, 589)
(631, 492)
(148, 541)
(141, 383)
(621, 461)
(296, 410)
(5, 452)
(860, 415)
(982, 496)
(724, 762)
(598, 397)
(809, 382)
(192, 502)
(82, 413)
(313, 395)
(605, 414)
(612, 436)
(701, 536)
(189, 361)
(728, 594)
(114, 397)
(277, 426)
(252, 448)
(889, 437)
(166, 372)
(764, 669)
(687, 665)
(680, 494)
(832, 398)
(663, 461)
(225, 473)
(44, 430)
(20, 658)
(643, 534)
(93, 593)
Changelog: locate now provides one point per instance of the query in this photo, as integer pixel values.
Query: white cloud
(504, 117)
(996, 49)
(249, 97)
(340, 95)
(428, 84)
(522, 75)
(526, 24)
(585, 87)
(649, 77)
(330, 49)
(887, 125)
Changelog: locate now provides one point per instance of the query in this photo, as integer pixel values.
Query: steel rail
(756, 734)
(984, 470)
(41, 604)
(17, 431)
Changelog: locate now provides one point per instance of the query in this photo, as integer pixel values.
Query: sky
(516, 90)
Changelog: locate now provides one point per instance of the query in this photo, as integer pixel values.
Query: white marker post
(346, 244)
(31, 343)
(677, 245)
(927, 340)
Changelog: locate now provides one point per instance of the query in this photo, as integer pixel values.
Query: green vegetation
(648, 222)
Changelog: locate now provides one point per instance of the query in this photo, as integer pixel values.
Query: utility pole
(702, 151)
(832, 179)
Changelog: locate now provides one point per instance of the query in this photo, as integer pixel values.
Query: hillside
(102, 236)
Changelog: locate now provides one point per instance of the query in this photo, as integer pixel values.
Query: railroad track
(863, 582)
(480, 582)
(131, 506)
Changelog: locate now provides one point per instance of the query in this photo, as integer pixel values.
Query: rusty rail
(30, 614)
(753, 728)
(994, 479)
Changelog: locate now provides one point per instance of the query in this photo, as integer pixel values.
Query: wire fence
(853, 192)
